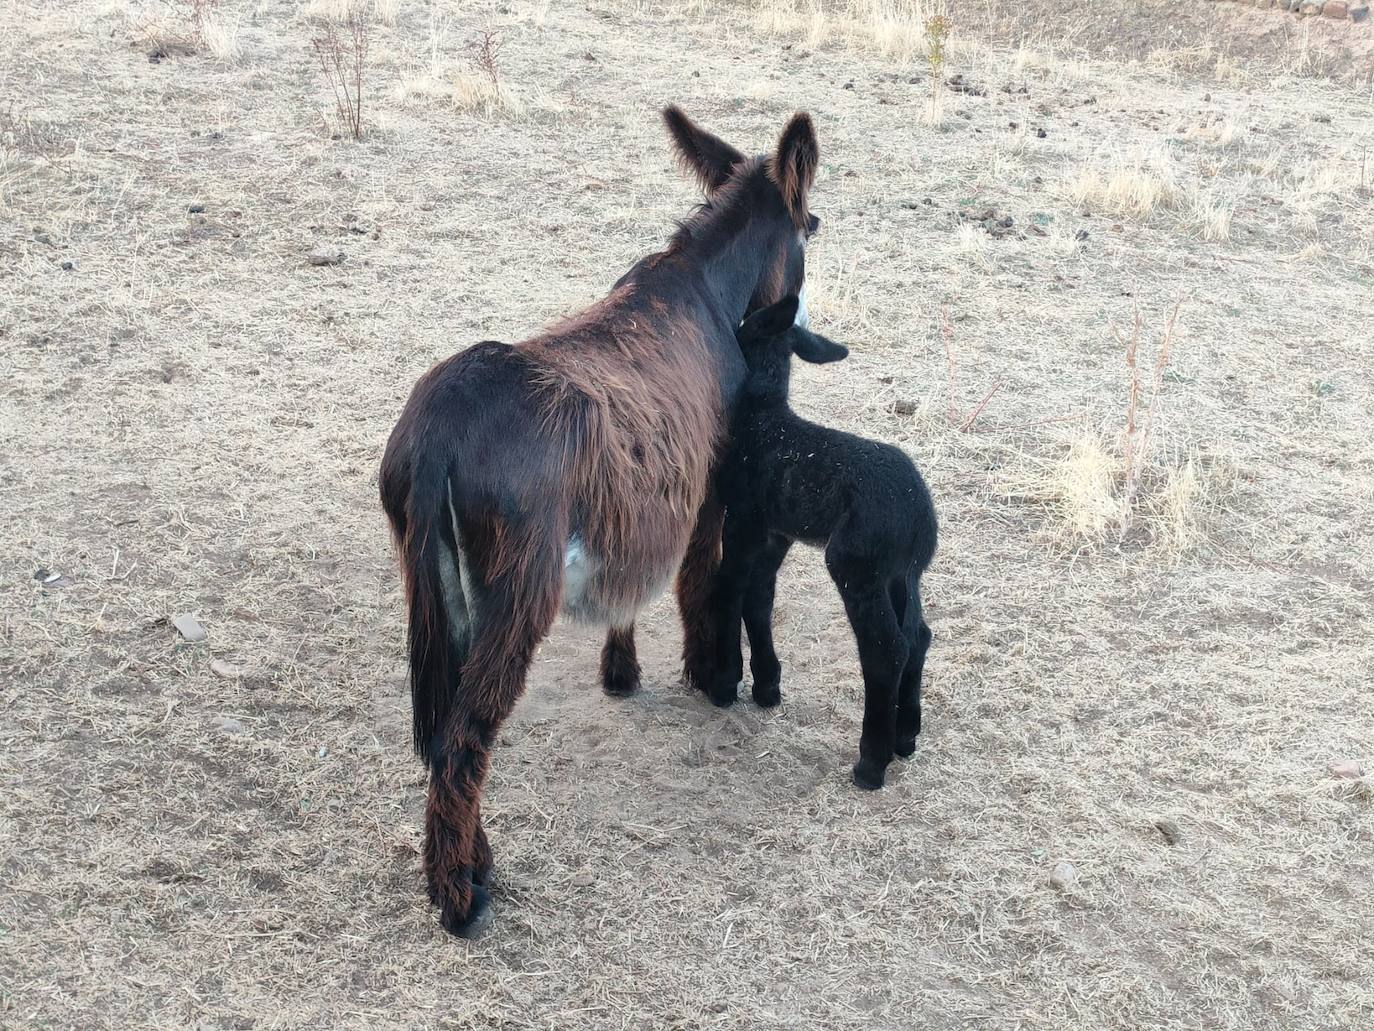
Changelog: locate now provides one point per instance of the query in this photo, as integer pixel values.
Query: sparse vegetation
(342, 51)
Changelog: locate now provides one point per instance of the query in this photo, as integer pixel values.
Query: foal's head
(769, 338)
(765, 196)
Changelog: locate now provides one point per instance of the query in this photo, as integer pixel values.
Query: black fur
(785, 479)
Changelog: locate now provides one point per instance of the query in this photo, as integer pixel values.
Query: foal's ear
(816, 349)
(769, 322)
(793, 167)
(707, 157)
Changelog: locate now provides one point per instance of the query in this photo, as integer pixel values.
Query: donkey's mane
(722, 215)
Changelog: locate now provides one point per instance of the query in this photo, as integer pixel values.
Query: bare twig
(973, 415)
(485, 48)
(951, 413)
(947, 334)
(1136, 436)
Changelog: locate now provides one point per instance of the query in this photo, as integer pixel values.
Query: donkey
(571, 472)
(784, 479)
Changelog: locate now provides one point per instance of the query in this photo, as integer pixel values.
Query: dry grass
(192, 418)
(895, 29)
(1135, 186)
(220, 35)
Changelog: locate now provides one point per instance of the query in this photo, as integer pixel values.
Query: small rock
(43, 238)
(1063, 876)
(1338, 10)
(1169, 830)
(322, 753)
(189, 627)
(325, 254)
(1346, 769)
(848, 85)
(225, 670)
(1359, 13)
(196, 208)
(68, 266)
(583, 879)
(1041, 133)
(1081, 235)
(226, 725)
(904, 407)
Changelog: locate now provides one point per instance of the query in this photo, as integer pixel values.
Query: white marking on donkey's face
(803, 318)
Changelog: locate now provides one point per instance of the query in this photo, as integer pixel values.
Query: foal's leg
(758, 620)
(513, 616)
(695, 586)
(619, 665)
(918, 636)
(853, 558)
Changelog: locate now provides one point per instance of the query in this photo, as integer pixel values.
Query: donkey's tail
(431, 564)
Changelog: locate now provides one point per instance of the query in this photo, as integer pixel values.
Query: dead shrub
(342, 50)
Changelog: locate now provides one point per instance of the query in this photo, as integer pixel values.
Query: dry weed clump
(1211, 215)
(1106, 482)
(186, 26)
(1133, 186)
(482, 89)
(478, 88)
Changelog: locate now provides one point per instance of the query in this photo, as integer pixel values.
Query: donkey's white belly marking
(579, 566)
(585, 590)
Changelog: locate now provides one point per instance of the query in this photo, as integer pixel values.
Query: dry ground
(191, 418)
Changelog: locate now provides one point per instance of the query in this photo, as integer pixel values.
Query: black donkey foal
(784, 479)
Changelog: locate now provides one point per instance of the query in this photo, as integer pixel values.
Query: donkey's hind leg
(696, 585)
(758, 620)
(512, 616)
(619, 664)
(918, 637)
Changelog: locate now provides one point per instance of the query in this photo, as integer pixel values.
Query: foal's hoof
(868, 776)
(767, 695)
(905, 747)
(477, 919)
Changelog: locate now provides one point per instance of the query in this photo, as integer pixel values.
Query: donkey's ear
(793, 167)
(769, 322)
(707, 157)
(816, 349)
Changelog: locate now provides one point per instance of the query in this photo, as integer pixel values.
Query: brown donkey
(571, 471)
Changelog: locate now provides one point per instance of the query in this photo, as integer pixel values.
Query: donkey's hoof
(868, 776)
(767, 695)
(477, 919)
(905, 747)
(723, 695)
(620, 685)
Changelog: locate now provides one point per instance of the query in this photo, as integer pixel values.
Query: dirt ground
(1147, 683)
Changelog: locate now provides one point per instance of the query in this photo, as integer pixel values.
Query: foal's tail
(430, 562)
